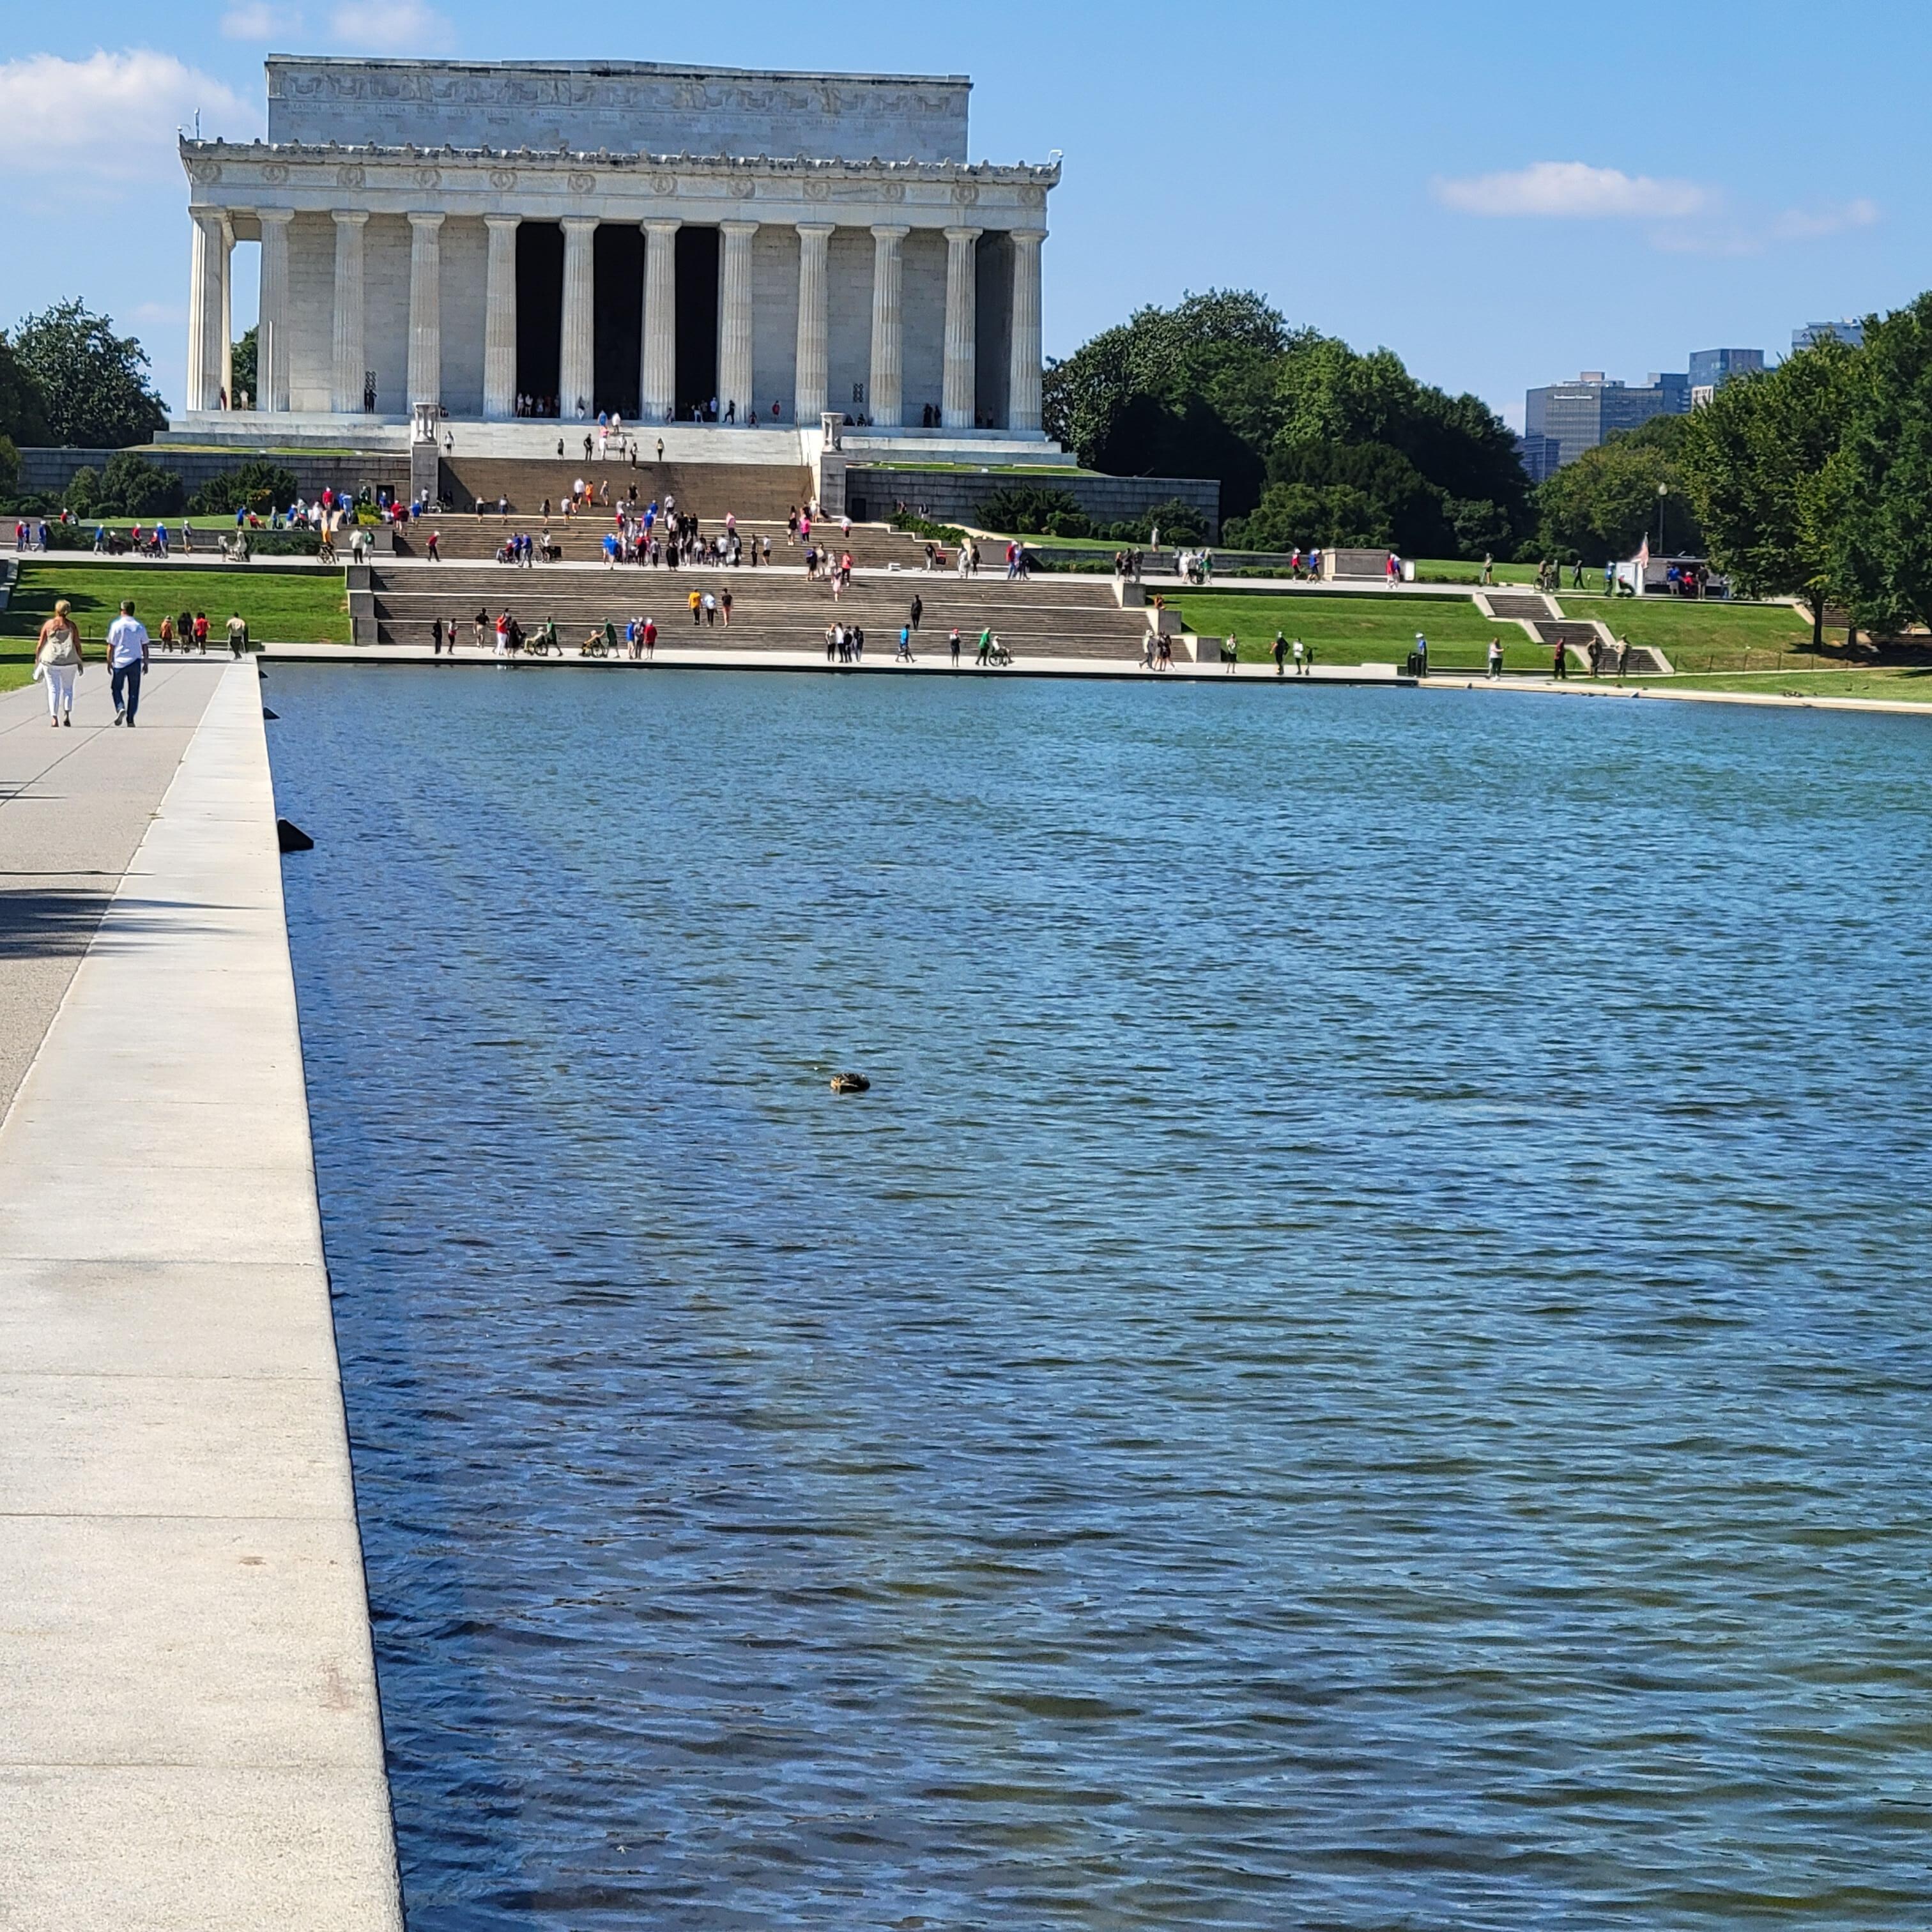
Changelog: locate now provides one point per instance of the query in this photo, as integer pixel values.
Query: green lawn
(1702, 636)
(280, 607)
(1454, 570)
(1896, 683)
(1351, 630)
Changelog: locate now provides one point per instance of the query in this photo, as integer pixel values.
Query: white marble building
(609, 235)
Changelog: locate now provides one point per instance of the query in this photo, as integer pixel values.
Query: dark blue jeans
(125, 681)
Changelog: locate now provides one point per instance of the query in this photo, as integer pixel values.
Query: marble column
(271, 336)
(658, 382)
(425, 309)
(577, 378)
(883, 393)
(812, 374)
(734, 334)
(346, 366)
(205, 263)
(959, 399)
(500, 320)
(228, 309)
(1023, 374)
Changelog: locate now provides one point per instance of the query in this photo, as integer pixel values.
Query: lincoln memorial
(484, 242)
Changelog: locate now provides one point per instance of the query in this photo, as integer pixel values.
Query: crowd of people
(60, 654)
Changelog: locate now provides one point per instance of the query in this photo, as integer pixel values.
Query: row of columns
(210, 368)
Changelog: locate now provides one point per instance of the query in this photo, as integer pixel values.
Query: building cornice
(551, 183)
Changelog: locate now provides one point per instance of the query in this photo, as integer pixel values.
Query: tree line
(66, 379)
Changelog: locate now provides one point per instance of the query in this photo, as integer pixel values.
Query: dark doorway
(620, 261)
(697, 319)
(539, 310)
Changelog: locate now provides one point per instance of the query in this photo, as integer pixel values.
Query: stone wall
(623, 107)
(955, 495)
(51, 469)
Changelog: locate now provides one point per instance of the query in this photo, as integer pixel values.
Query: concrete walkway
(189, 1732)
(931, 662)
(74, 804)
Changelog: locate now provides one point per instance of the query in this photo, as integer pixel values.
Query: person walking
(1301, 658)
(435, 637)
(1280, 650)
(1495, 667)
(917, 612)
(58, 661)
(1489, 576)
(237, 635)
(126, 659)
(1559, 666)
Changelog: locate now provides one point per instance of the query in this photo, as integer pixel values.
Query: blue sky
(1504, 193)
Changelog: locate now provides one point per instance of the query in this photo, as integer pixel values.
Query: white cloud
(256, 20)
(1574, 190)
(111, 116)
(390, 27)
(1813, 223)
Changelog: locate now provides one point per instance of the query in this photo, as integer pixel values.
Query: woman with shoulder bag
(57, 658)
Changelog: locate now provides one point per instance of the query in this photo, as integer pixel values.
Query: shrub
(1028, 511)
(83, 494)
(131, 486)
(258, 485)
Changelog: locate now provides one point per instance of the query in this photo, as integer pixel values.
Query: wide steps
(771, 609)
(769, 491)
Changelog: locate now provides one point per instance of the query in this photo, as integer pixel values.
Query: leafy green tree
(9, 467)
(1758, 462)
(23, 415)
(82, 493)
(1297, 516)
(1220, 385)
(93, 384)
(1027, 510)
(1875, 503)
(243, 360)
(258, 485)
(1603, 505)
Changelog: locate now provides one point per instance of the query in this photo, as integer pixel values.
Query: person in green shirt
(986, 644)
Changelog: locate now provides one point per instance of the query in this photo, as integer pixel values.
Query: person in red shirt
(201, 631)
(650, 637)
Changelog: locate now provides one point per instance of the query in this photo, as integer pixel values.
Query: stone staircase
(466, 538)
(772, 610)
(769, 491)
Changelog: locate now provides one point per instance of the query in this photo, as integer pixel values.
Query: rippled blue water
(1362, 1365)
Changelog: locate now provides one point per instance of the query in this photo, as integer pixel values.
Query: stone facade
(430, 234)
(956, 496)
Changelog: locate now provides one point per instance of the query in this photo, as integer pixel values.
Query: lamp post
(1663, 491)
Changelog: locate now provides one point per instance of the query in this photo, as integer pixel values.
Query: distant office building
(1541, 456)
(1813, 332)
(1562, 420)
(1712, 368)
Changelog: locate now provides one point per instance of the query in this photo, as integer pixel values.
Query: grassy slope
(1689, 633)
(1347, 630)
(1896, 683)
(279, 608)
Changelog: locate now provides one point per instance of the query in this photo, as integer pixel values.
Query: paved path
(189, 1733)
(73, 805)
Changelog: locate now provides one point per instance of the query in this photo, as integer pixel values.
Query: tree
(1220, 386)
(1603, 505)
(243, 361)
(93, 384)
(9, 467)
(1299, 516)
(1758, 461)
(23, 415)
(258, 485)
(1875, 502)
(1028, 510)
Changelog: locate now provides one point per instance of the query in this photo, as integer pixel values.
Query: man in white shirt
(127, 658)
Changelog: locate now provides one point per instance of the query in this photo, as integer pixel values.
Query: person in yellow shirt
(696, 601)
